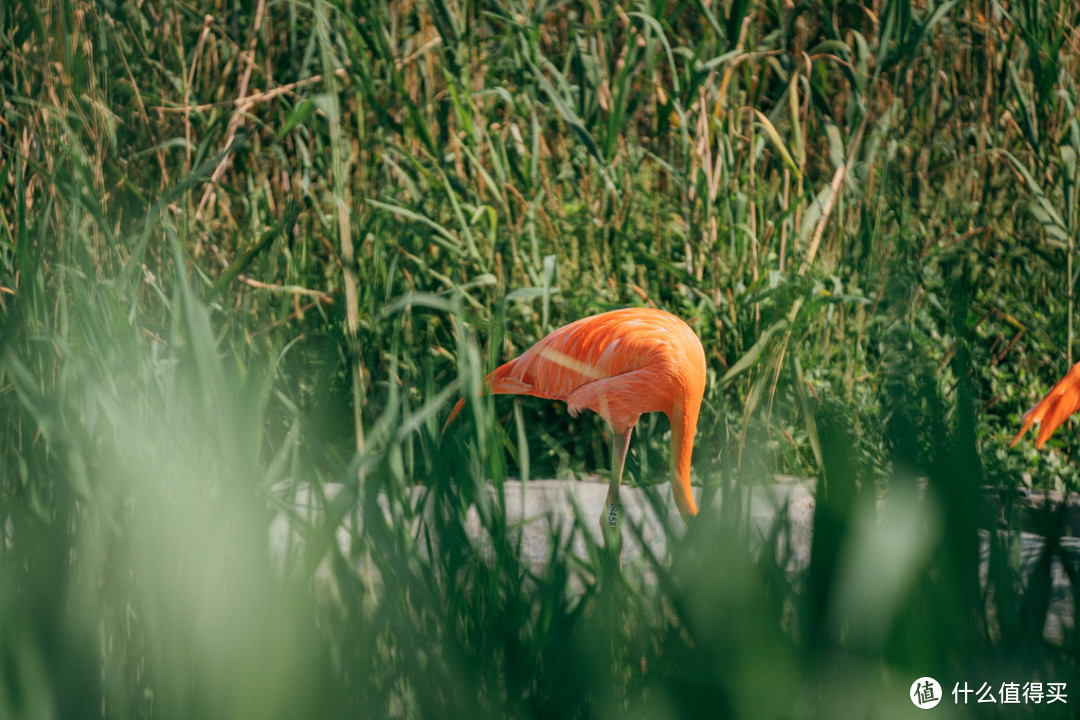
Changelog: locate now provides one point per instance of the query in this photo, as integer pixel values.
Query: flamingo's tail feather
(453, 414)
(1061, 402)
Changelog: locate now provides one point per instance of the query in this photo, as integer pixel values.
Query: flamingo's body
(1061, 402)
(620, 364)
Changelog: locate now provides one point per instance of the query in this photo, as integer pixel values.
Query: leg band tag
(613, 516)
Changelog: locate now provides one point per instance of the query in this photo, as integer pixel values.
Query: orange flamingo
(1061, 402)
(619, 364)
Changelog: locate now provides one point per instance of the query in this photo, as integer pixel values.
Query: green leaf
(807, 410)
(442, 236)
(655, 26)
(1041, 207)
(774, 139)
(751, 356)
(297, 117)
(420, 299)
(570, 117)
(837, 156)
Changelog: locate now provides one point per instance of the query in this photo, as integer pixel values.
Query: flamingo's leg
(610, 519)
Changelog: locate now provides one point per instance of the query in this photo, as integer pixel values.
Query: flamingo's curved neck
(683, 427)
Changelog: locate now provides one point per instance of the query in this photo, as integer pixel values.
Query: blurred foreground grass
(252, 250)
(138, 580)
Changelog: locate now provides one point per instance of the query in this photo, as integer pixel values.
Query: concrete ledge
(544, 510)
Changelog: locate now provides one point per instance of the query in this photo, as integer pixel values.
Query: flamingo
(619, 364)
(1061, 402)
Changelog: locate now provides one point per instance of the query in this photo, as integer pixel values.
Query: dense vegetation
(250, 251)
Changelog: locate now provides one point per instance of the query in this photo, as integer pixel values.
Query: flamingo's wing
(1061, 402)
(621, 399)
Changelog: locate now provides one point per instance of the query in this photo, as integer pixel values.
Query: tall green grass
(250, 252)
